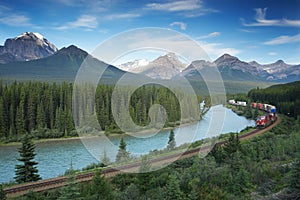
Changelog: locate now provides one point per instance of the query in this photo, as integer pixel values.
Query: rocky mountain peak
(25, 47)
(72, 50)
(226, 58)
(169, 59)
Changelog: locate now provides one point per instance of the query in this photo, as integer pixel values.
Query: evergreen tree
(27, 172)
(105, 159)
(122, 155)
(70, 191)
(132, 192)
(171, 142)
(218, 153)
(100, 188)
(255, 114)
(232, 145)
(248, 111)
(2, 193)
(173, 189)
(145, 165)
(20, 120)
(144, 175)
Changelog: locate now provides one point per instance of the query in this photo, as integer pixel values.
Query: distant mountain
(230, 68)
(164, 67)
(28, 46)
(280, 71)
(233, 69)
(135, 66)
(61, 66)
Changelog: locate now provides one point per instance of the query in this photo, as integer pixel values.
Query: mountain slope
(28, 46)
(61, 66)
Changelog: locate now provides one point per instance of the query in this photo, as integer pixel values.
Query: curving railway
(53, 183)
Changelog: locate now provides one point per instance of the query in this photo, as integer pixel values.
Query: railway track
(53, 183)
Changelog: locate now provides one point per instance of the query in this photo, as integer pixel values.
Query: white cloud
(272, 53)
(211, 35)
(174, 6)
(284, 40)
(121, 16)
(261, 20)
(188, 8)
(15, 20)
(215, 50)
(84, 21)
(101, 5)
(11, 18)
(180, 24)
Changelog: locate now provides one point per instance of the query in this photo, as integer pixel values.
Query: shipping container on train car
(231, 101)
(253, 105)
(265, 107)
(273, 109)
(260, 106)
(241, 103)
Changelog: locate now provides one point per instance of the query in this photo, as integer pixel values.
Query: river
(55, 157)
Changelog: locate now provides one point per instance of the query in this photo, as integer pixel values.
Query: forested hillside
(286, 97)
(45, 109)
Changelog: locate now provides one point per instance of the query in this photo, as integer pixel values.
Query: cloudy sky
(261, 30)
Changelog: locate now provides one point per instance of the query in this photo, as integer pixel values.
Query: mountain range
(230, 68)
(31, 56)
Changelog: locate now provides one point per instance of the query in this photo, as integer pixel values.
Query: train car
(273, 109)
(254, 105)
(265, 120)
(231, 101)
(241, 103)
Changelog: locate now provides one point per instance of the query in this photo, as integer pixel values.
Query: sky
(260, 30)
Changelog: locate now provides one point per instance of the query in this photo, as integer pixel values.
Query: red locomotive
(266, 120)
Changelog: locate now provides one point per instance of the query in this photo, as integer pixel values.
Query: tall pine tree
(122, 155)
(171, 142)
(27, 172)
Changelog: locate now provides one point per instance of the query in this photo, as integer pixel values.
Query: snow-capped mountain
(135, 66)
(163, 67)
(280, 70)
(25, 47)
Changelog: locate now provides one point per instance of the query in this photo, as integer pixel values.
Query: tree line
(45, 109)
(286, 97)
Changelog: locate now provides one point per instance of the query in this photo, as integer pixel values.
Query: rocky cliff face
(28, 46)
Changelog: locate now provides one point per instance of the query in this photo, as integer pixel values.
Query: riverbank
(102, 133)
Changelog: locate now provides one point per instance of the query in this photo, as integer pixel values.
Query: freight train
(264, 120)
(269, 118)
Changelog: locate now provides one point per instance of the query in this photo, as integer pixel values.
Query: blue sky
(261, 30)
